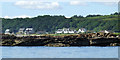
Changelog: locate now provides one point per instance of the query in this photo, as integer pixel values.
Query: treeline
(51, 23)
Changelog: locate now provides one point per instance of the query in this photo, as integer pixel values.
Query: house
(72, 31)
(59, 31)
(65, 30)
(21, 30)
(106, 31)
(82, 30)
(7, 31)
(29, 31)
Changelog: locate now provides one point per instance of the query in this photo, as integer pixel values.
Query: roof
(7, 29)
(29, 28)
(21, 28)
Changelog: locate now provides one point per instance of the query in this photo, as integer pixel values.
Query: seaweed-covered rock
(90, 39)
(57, 45)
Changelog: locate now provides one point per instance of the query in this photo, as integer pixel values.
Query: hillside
(52, 23)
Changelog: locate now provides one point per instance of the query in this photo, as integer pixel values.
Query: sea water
(59, 52)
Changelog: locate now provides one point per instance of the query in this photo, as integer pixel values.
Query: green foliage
(52, 23)
(60, 34)
(117, 33)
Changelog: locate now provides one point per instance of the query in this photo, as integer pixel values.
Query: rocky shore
(90, 39)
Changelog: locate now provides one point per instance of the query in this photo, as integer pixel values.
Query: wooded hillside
(52, 23)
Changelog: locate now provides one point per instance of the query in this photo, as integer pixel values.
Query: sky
(34, 8)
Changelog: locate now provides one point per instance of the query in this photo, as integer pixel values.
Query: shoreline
(79, 40)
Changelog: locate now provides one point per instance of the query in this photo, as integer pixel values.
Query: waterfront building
(7, 31)
(29, 31)
(59, 31)
(66, 30)
(21, 30)
(82, 30)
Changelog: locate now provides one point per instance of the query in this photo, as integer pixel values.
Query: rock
(57, 45)
(90, 39)
(114, 44)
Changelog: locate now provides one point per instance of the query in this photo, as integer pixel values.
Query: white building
(21, 30)
(29, 31)
(82, 30)
(72, 31)
(7, 31)
(59, 31)
(65, 30)
(107, 31)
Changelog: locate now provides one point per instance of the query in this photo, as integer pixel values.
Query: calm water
(59, 52)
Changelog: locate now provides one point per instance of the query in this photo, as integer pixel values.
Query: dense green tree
(52, 23)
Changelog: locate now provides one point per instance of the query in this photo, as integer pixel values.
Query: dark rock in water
(8, 36)
(103, 41)
(114, 44)
(57, 45)
(91, 39)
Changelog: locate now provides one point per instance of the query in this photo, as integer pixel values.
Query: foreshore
(90, 39)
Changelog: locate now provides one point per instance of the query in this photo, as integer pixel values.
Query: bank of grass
(61, 34)
(117, 33)
(56, 34)
(64, 34)
(50, 34)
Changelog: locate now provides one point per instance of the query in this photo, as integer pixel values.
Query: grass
(60, 34)
(53, 34)
(117, 33)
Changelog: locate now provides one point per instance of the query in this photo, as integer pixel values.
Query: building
(59, 31)
(21, 30)
(106, 31)
(7, 31)
(65, 30)
(72, 31)
(29, 31)
(82, 30)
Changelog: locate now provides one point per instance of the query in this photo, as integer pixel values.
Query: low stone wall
(91, 39)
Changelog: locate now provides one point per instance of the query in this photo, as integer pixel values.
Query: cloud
(110, 3)
(22, 16)
(77, 3)
(37, 5)
(0, 16)
(6, 17)
(63, 0)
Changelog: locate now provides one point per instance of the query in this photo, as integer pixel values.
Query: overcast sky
(69, 8)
